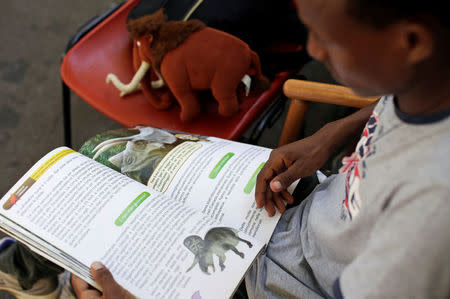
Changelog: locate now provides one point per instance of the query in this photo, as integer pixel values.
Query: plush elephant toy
(185, 57)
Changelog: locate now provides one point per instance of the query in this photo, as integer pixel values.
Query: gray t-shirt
(379, 228)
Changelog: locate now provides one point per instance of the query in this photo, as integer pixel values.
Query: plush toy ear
(149, 38)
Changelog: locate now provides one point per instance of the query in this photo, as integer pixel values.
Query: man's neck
(423, 99)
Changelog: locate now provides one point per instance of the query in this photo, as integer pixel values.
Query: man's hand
(302, 158)
(285, 165)
(104, 278)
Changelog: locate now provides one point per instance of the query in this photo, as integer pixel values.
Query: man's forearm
(340, 131)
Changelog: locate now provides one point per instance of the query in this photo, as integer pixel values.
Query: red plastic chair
(107, 49)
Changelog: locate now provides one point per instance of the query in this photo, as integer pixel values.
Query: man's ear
(418, 42)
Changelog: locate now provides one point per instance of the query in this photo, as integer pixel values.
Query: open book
(171, 215)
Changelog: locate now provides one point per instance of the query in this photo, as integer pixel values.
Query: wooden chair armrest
(324, 93)
(301, 92)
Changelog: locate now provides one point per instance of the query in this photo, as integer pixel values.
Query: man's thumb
(284, 180)
(102, 276)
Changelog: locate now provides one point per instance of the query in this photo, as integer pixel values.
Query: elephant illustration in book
(178, 58)
(142, 153)
(218, 241)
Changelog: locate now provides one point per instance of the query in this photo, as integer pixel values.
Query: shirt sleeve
(408, 252)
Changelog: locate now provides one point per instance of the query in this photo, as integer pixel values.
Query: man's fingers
(103, 277)
(269, 205)
(286, 178)
(270, 209)
(279, 203)
(90, 294)
(78, 284)
(287, 197)
(261, 187)
(271, 168)
(261, 192)
(82, 288)
(276, 186)
(260, 198)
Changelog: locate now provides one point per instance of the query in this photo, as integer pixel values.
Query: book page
(215, 176)
(154, 246)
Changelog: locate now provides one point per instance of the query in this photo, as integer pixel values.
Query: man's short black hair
(380, 13)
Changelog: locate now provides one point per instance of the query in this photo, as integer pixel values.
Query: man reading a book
(379, 228)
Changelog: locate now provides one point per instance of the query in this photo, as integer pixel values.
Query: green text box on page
(252, 182)
(131, 208)
(216, 170)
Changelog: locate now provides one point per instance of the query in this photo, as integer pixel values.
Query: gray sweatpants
(283, 269)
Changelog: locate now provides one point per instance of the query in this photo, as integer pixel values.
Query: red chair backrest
(107, 49)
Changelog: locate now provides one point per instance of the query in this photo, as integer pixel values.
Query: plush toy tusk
(134, 84)
(160, 83)
(247, 81)
(192, 10)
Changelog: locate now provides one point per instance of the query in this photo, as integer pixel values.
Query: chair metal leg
(66, 115)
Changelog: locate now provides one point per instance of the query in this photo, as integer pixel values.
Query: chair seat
(107, 49)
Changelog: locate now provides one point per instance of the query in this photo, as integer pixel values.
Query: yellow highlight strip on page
(50, 162)
(34, 177)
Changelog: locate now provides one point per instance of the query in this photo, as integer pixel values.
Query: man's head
(385, 12)
(377, 47)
